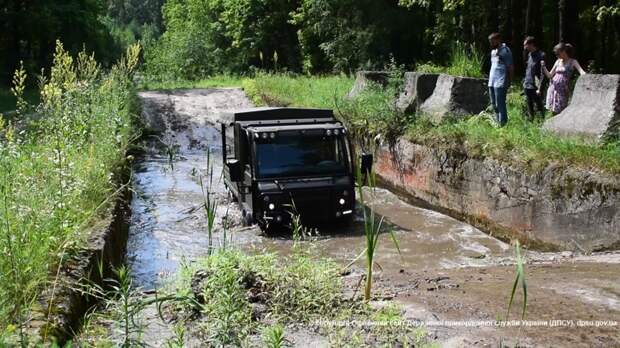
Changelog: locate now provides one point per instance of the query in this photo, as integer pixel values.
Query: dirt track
(448, 270)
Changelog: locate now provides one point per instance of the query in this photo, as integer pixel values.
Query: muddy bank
(62, 306)
(554, 209)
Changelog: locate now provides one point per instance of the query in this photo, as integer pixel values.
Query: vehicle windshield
(301, 155)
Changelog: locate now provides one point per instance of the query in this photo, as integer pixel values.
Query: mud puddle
(447, 270)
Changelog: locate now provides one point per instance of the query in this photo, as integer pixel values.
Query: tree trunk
(517, 35)
(567, 20)
(493, 18)
(533, 19)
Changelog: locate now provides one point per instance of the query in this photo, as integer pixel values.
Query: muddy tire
(231, 197)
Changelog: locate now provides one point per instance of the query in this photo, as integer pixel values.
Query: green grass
(290, 90)
(212, 82)
(520, 143)
(296, 288)
(56, 174)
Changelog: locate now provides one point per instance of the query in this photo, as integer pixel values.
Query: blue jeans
(498, 100)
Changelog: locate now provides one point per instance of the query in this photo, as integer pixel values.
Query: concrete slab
(456, 96)
(364, 78)
(594, 110)
(417, 88)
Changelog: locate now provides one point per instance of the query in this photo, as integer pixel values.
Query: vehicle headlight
(272, 135)
(342, 201)
(328, 132)
(336, 132)
(271, 206)
(265, 135)
(266, 198)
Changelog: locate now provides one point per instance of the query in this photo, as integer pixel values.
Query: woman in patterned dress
(559, 77)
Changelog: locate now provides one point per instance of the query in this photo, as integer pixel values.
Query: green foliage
(210, 82)
(519, 278)
(464, 60)
(296, 288)
(204, 37)
(521, 143)
(333, 34)
(273, 336)
(292, 90)
(372, 231)
(31, 28)
(57, 172)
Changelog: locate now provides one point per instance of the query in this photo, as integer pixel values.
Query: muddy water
(169, 225)
(446, 269)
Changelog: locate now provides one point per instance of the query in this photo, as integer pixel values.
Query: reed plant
(372, 229)
(273, 336)
(210, 202)
(519, 278)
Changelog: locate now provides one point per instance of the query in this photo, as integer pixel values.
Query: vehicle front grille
(313, 205)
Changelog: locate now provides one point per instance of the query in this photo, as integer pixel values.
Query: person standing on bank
(559, 76)
(533, 70)
(500, 76)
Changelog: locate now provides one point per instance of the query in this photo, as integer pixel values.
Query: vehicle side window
(230, 142)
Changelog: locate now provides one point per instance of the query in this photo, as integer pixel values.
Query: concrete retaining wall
(556, 209)
(61, 307)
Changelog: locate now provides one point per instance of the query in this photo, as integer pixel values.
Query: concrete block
(364, 78)
(456, 96)
(417, 88)
(594, 110)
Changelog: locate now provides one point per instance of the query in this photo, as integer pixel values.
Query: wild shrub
(58, 171)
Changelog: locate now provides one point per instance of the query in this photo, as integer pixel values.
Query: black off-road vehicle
(285, 161)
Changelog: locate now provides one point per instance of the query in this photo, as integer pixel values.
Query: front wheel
(248, 219)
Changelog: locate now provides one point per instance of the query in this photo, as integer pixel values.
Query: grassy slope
(56, 173)
(521, 143)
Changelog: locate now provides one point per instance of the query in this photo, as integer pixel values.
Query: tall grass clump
(465, 60)
(57, 172)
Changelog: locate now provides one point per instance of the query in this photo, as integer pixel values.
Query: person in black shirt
(533, 70)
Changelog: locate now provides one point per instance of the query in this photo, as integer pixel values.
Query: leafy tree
(31, 28)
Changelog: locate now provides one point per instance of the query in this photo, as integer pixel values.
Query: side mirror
(366, 163)
(234, 170)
